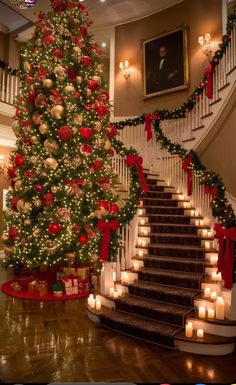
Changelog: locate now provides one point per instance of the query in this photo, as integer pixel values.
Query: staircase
(173, 265)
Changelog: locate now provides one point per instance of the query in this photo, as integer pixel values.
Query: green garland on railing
(221, 209)
(5, 67)
(193, 99)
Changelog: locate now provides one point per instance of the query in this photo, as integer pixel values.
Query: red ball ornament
(13, 233)
(48, 199)
(97, 165)
(86, 132)
(27, 142)
(57, 53)
(83, 31)
(49, 39)
(83, 239)
(65, 133)
(104, 97)
(32, 96)
(114, 209)
(93, 85)
(37, 119)
(103, 205)
(111, 132)
(38, 188)
(12, 172)
(19, 160)
(87, 61)
(12, 183)
(18, 112)
(101, 110)
(54, 228)
(29, 174)
(29, 80)
(14, 201)
(86, 150)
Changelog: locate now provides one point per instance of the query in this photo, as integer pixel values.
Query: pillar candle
(214, 276)
(116, 294)
(98, 305)
(211, 313)
(197, 222)
(142, 222)
(90, 298)
(202, 312)
(219, 277)
(140, 253)
(200, 333)
(136, 266)
(213, 295)
(192, 213)
(189, 329)
(209, 234)
(92, 303)
(201, 222)
(214, 259)
(220, 308)
(143, 243)
(207, 292)
(111, 292)
(207, 245)
(125, 278)
(140, 242)
(145, 232)
(120, 292)
(204, 233)
(140, 212)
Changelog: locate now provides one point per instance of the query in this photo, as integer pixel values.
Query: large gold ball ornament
(37, 203)
(15, 127)
(57, 111)
(69, 89)
(51, 163)
(60, 72)
(44, 129)
(50, 145)
(78, 53)
(27, 66)
(107, 145)
(98, 126)
(88, 92)
(34, 139)
(54, 189)
(78, 119)
(18, 185)
(27, 222)
(4, 237)
(23, 207)
(100, 67)
(79, 79)
(48, 83)
(9, 213)
(9, 251)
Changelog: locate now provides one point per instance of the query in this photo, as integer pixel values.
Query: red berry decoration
(14, 201)
(19, 160)
(38, 188)
(65, 133)
(48, 199)
(114, 209)
(57, 53)
(97, 165)
(12, 172)
(49, 39)
(87, 61)
(101, 110)
(83, 239)
(13, 233)
(86, 133)
(93, 85)
(54, 228)
(29, 80)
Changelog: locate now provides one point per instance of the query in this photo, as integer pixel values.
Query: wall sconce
(2, 164)
(125, 69)
(205, 43)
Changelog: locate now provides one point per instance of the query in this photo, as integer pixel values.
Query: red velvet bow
(187, 167)
(135, 160)
(149, 118)
(106, 227)
(226, 239)
(212, 190)
(209, 74)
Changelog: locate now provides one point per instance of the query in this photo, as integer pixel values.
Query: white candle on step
(92, 303)
(111, 292)
(189, 329)
(116, 294)
(213, 259)
(214, 276)
(197, 222)
(192, 213)
(200, 333)
(125, 278)
(136, 266)
(211, 313)
(145, 232)
(140, 203)
(213, 295)
(140, 253)
(142, 221)
(207, 245)
(220, 308)
(140, 212)
(120, 292)
(140, 242)
(90, 298)
(98, 305)
(204, 233)
(207, 292)
(143, 243)
(202, 312)
(209, 234)
(219, 277)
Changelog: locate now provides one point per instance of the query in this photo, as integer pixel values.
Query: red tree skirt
(6, 288)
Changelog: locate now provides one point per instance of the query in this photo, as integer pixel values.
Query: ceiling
(10, 20)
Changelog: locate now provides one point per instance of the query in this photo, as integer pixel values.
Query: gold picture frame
(165, 63)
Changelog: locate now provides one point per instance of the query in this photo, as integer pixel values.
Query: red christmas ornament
(57, 53)
(114, 209)
(87, 61)
(103, 180)
(12, 172)
(70, 6)
(85, 149)
(97, 164)
(93, 85)
(111, 152)
(27, 142)
(76, 94)
(12, 183)
(32, 96)
(103, 205)
(86, 132)
(14, 201)
(18, 112)
(72, 73)
(83, 239)
(79, 181)
(83, 31)
(54, 228)
(104, 97)
(37, 119)
(76, 229)
(49, 39)
(19, 160)
(111, 132)
(38, 188)
(65, 133)
(29, 174)
(101, 110)
(48, 199)
(29, 80)
(13, 233)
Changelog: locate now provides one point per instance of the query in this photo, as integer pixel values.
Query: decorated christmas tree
(63, 190)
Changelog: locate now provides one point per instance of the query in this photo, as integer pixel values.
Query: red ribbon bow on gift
(209, 74)
(106, 227)
(187, 167)
(212, 190)
(226, 239)
(135, 160)
(149, 118)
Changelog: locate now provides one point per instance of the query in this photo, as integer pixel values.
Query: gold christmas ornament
(69, 88)
(18, 185)
(50, 247)
(9, 251)
(36, 232)
(15, 127)
(107, 145)
(88, 92)
(60, 30)
(9, 213)
(57, 111)
(34, 139)
(50, 145)
(78, 53)
(100, 67)
(4, 237)
(78, 119)
(60, 72)
(79, 79)
(23, 207)
(27, 66)
(44, 129)
(54, 189)
(48, 83)
(51, 163)
(98, 126)
(27, 222)
(37, 203)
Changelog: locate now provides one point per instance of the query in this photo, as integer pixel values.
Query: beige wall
(220, 154)
(200, 16)
(14, 53)
(4, 46)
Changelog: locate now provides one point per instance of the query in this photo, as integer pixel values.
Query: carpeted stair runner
(159, 300)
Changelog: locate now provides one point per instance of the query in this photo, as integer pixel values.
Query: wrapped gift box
(82, 272)
(42, 288)
(32, 287)
(57, 293)
(16, 287)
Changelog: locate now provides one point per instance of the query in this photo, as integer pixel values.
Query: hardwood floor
(56, 342)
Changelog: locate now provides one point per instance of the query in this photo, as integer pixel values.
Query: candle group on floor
(94, 302)
(115, 293)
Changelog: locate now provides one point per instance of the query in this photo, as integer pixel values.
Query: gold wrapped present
(32, 287)
(57, 293)
(42, 288)
(16, 287)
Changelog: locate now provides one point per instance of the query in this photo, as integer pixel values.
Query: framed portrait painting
(165, 63)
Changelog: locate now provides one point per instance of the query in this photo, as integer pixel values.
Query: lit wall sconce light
(125, 69)
(2, 164)
(205, 43)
